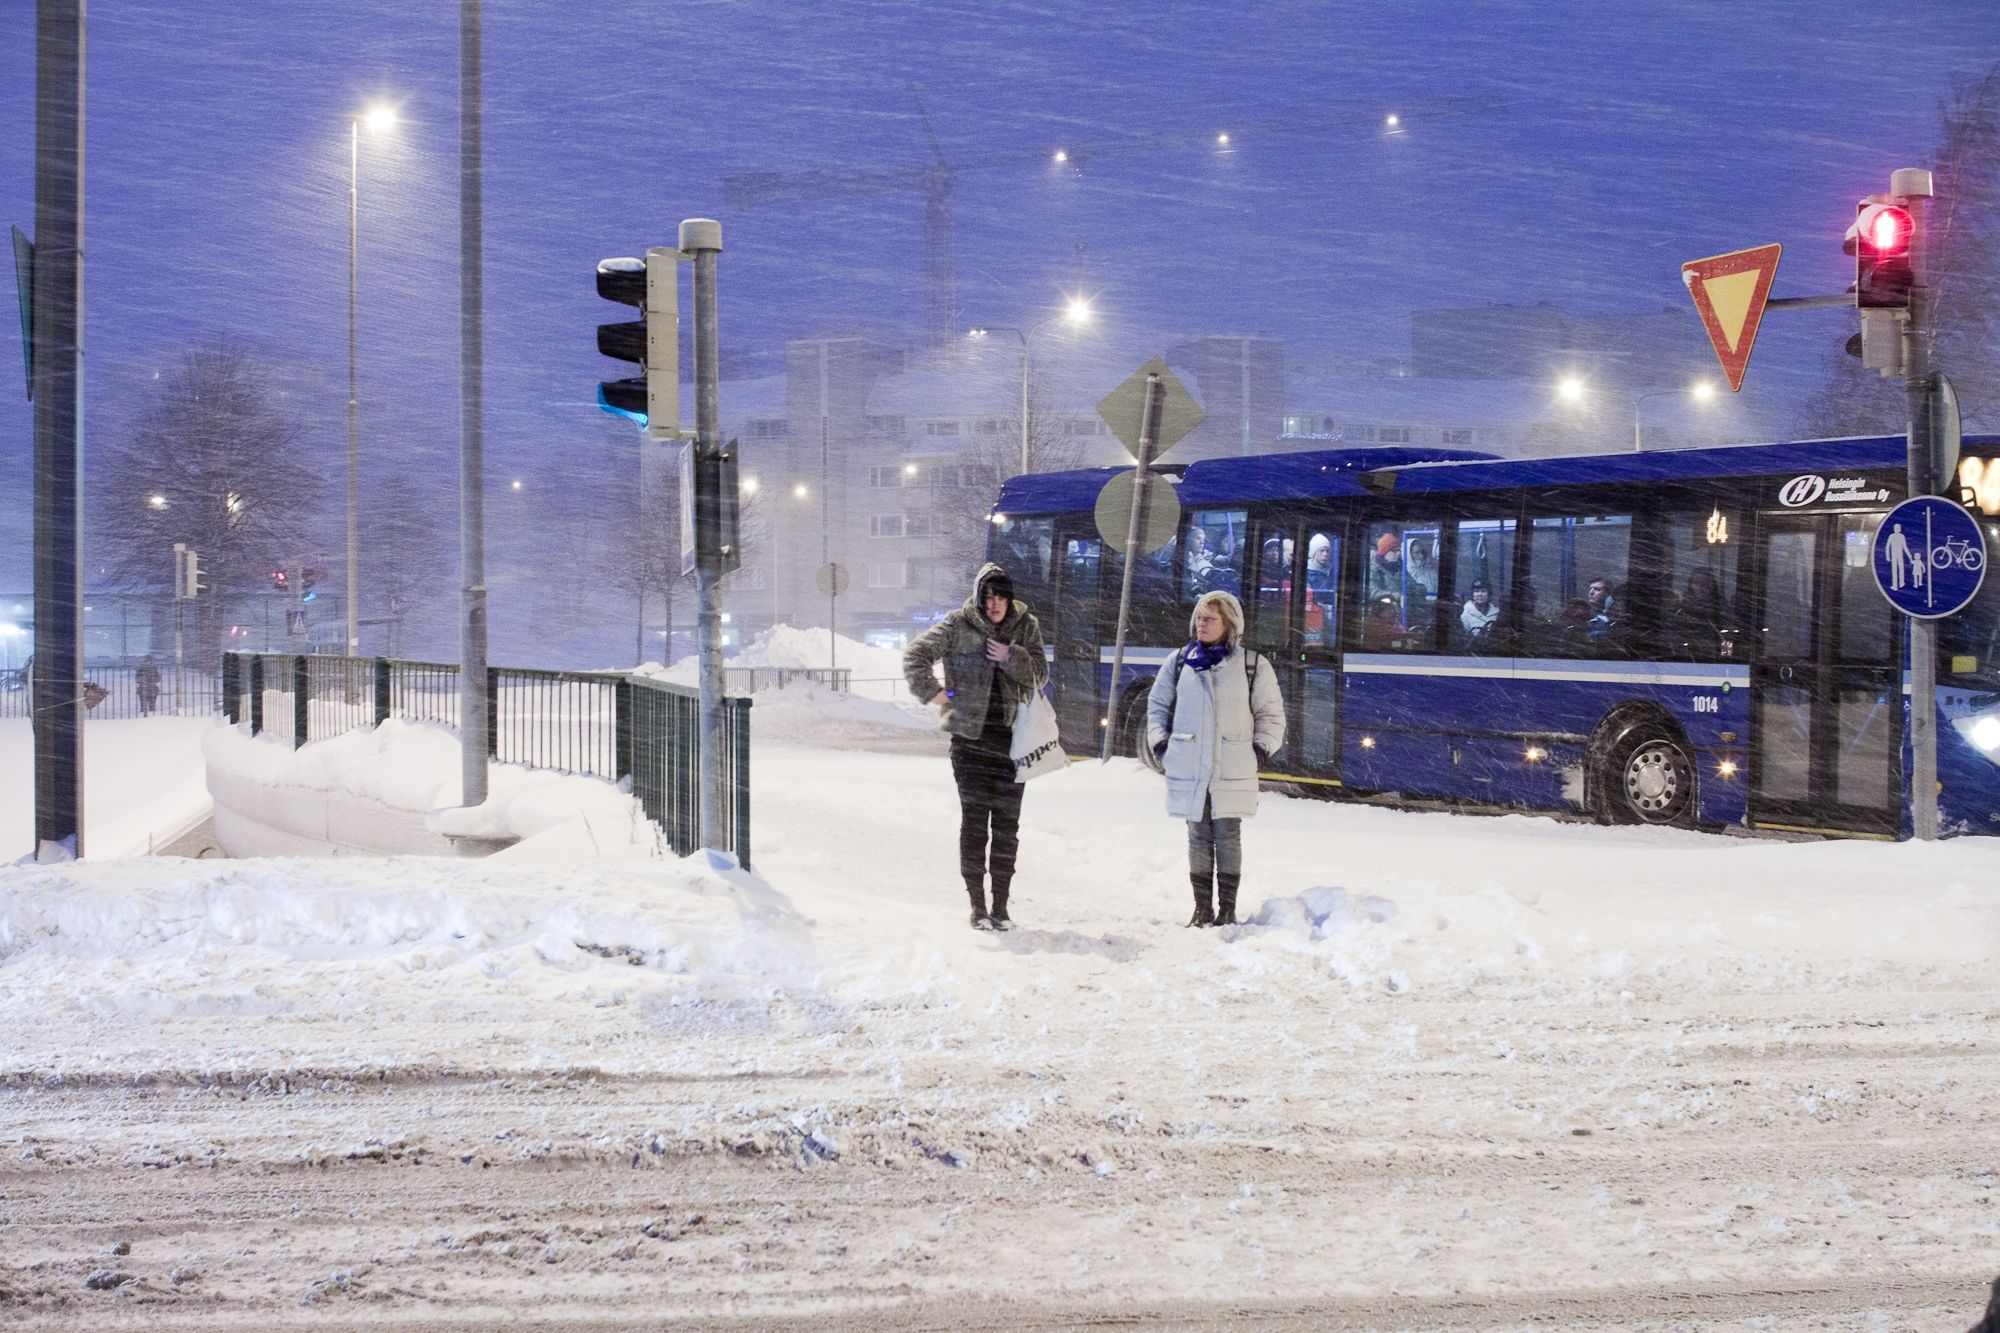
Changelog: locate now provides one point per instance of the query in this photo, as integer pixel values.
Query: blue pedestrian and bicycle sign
(1930, 557)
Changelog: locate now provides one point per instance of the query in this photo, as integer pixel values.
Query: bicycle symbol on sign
(1957, 553)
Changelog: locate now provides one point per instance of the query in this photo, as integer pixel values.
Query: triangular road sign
(1729, 292)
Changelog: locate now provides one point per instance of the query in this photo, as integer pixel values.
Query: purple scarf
(1201, 656)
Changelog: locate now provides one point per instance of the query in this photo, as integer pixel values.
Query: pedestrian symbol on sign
(1930, 557)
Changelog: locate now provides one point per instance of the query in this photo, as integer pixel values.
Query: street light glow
(800, 491)
(1222, 141)
(1392, 121)
(1061, 157)
(976, 333)
(156, 502)
(909, 469)
(1077, 311)
(749, 486)
(379, 119)
(517, 484)
(1570, 389)
(1702, 391)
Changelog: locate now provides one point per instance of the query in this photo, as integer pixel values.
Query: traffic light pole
(473, 738)
(57, 332)
(1913, 186)
(702, 239)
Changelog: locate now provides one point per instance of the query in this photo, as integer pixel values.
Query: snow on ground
(1463, 1073)
(142, 778)
(874, 673)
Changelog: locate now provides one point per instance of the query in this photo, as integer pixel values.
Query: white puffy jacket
(1214, 723)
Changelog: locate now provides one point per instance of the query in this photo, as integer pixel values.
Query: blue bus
(1690, 638)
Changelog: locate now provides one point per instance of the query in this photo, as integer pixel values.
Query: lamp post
(1076, 312)
(378, 120)
(1575, 391)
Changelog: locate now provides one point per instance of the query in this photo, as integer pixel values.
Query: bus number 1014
(1707, 703)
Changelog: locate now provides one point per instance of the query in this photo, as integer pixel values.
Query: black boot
(999, 915)
(980, 920)
(1204, 911)
(1225, 899)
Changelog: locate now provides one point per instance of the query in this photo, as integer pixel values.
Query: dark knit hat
(996, 584)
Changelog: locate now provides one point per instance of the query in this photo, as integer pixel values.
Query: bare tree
(216, 463)
(963, 510)
(1963, 262)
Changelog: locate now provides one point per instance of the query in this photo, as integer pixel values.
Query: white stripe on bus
(1530, 668)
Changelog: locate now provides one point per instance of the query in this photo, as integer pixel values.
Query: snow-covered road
(1469, 1073)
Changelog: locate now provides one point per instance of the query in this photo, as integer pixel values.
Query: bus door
(1826, 701)
(1295, 628)
(1079, 555)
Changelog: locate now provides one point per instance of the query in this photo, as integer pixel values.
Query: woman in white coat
(1215, 717)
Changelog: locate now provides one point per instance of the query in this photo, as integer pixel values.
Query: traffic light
(191, 571)
(653, 341)
(281, 580)
(1881, 239)
(1880, 242)
(307, 578)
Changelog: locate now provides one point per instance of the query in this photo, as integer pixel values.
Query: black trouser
(987, 793)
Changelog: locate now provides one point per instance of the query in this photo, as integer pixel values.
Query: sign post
(1163, 411)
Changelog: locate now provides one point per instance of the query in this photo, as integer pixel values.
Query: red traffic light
(1883, 230)
(1887, 229)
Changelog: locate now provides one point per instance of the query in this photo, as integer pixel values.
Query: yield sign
(1729, 292)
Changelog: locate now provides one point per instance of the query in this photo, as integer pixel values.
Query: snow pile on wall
(395, 788)
(425, 941)
(142, 783)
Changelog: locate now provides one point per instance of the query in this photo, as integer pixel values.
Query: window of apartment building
(885, 525)
(941, 428)
(916, 525)
(1460, 435)
(1393, 435)
(882, 478)
(1082, 426)
(889, 574)
(1359, 434)
(886, 425)
(991, 425)
(765, 428)
(946, 475)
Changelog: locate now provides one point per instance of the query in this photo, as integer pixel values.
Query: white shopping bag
(1037, 747)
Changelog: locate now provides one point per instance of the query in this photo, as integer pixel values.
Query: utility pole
(1912, 185)
(56, 344)
(472, 693)
(701, 238)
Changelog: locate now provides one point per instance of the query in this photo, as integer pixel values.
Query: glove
(1160, 749)
(1263, 756)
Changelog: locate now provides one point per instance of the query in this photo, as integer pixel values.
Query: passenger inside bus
(1382, 631)
(1697, 625)
(1319, 563)
(1476, 619)
(1385, 566)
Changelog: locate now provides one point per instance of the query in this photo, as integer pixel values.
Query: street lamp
(1076, 312)
(379, 120)
(1572, 389)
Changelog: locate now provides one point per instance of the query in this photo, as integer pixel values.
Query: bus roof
(1423, 471)
(1283, 476)
(1735, 460)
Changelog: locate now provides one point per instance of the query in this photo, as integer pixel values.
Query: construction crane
(936, 181)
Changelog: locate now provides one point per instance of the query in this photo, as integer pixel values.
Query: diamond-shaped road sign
(1729, 292)
(1124, 408)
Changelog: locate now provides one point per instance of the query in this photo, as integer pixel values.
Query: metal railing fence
(603, 724)
(125, 691)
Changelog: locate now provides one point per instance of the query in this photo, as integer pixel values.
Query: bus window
(1483, 586)
(1022, 547)
(1214, 553)
(1322, 576)
(1401, 607)
(1969, 642)
(1698, 618)
(1271, 622)
(1575, 596)
(1867, 622)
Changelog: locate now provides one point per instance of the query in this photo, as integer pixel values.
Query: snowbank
(794, 649)
(395, 789)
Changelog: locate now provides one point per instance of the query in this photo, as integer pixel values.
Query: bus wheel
(1651, 780)
(1132, 731)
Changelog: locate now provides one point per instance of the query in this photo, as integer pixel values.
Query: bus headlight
(1727, 768)
(1985, 733)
